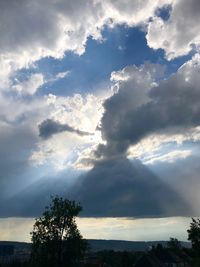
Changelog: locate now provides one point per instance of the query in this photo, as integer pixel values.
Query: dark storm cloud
(113, 188)
(173, 105)
(120, 188)
(116, 187)
(50, 127)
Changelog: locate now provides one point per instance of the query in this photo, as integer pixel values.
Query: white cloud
(50, 28)
(180, 32)
(130, 12)
(58, 76)
(168, 157)
(62, 75)
(82, 112)
(30, 86)
(154, 143)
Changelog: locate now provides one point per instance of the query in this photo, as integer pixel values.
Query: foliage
(56, 240)
(174, 244)
(194, 234)
(117, 258)
(194, 237)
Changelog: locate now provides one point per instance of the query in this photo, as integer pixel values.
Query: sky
(100, 104)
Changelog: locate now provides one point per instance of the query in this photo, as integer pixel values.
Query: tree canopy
(174, 244)
(194, 234)
(56, 240)
(194, 237)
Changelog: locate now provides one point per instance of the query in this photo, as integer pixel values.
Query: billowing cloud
(50, 28)
(49, 127)
(139, 108)
(172, 105)
(131, 91)
(180, 33)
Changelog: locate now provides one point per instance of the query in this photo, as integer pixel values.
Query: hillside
(101, 244)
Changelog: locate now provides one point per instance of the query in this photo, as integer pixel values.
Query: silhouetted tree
(194, 234)
(174, 244)
(194, 237)
(159, 247)
(56, 240)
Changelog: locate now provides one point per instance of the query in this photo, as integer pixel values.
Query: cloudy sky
(100, 103)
